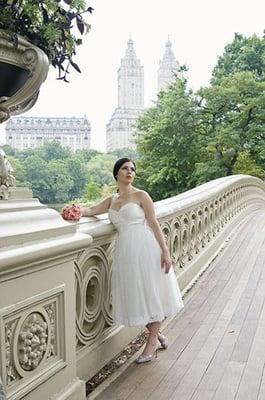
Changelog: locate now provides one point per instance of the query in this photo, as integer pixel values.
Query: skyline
(198, 32)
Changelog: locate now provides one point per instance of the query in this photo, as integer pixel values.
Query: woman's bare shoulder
(141, 194)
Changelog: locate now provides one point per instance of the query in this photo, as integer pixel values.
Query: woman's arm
(100, 208)
(148, 206)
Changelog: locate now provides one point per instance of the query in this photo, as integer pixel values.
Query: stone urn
(23, 68)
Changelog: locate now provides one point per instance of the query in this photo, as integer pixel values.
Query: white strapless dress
(141, 291)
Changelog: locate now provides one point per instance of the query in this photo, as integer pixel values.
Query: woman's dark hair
(118, 164)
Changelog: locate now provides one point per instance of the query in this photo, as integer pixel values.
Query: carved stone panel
(30, 341)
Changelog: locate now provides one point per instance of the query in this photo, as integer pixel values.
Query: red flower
(71, 213)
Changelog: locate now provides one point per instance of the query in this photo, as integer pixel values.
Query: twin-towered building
(121, 127)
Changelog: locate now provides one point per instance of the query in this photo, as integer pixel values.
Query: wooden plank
(216, 368)
(215, 371)
(230, 381)
(261, 395)
(248, 330)
(151, 381)
(126, 383)
(252, 376)
(190, 381)
(208, 351)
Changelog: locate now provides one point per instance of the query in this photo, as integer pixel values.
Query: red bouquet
(71, 213)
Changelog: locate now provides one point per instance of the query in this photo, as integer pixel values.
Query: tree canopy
(167, 142)
(189, 138)
(242, 54)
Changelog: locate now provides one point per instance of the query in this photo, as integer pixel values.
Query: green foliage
(10, 151)
(233, 120)
(56, 175)
(60, 183)
(167, 142)
(99, 169)
(108, 190)
(35, 169)
(243, 54)
(77, 171)
(53, 150)
(18, 171)
(93, 191)
(126, 152)
(186, 140)
(245, 164)
(50, 25)
(87, 154)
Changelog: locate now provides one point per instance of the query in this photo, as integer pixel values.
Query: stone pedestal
(37, 301)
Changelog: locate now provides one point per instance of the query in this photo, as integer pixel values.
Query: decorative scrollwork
(93, 294)
(11, 372)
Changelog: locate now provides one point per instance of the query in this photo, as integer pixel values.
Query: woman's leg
(162, 339)
(152, 341)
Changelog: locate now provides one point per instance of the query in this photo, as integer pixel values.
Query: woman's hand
(166, 262)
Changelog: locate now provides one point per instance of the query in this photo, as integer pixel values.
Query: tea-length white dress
(141, 291)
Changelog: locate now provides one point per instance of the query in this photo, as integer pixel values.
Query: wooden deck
(217, 343)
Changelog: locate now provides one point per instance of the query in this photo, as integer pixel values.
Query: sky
(198, 30)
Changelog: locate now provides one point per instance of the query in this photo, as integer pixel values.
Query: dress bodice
(129, 215)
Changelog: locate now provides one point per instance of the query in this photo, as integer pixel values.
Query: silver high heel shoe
(145, 359)
(163, 342)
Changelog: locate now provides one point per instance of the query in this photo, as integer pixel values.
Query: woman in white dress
(144, 287)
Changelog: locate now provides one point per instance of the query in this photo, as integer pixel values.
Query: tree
(108, 190)
(9, 151)
(93, 191)
(60, 183)
(167, 142)
(243, 54)
(125, 152)
(100, 169)
(246, 165)
(19, 171)
(87, 154)
(35, 170)
(78, 173)
(233, 121)
(53, 150)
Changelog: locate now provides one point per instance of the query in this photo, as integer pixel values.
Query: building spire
(121, 127)
(130, 52)
(167, 67)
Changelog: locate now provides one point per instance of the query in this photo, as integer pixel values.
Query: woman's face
(126, 173)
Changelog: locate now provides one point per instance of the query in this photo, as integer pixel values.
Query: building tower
(121, 126)
(167, 67)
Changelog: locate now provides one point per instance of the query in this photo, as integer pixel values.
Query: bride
(144, 287)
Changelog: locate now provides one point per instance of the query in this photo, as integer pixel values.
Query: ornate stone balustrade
(195, 223)
(37, 300)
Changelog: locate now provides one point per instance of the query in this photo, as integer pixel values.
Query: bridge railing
(56, 326)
